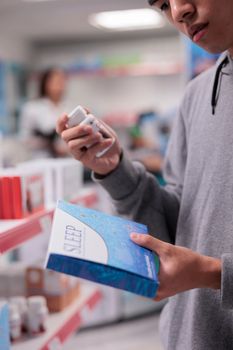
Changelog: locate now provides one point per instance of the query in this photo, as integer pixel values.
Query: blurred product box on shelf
(4, 326)
(63, 177)
(22, 192)
(58, 289)
(96, 246)
(20, 280)
(12, 280)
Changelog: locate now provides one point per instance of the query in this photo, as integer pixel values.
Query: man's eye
(164, 6)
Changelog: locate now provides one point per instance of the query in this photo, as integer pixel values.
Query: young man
(194, 212)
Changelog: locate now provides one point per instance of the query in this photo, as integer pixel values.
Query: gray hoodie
(194, 210)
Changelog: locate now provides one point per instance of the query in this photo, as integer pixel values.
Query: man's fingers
(101, 146)
(79, 143)
(76, 132)
(159, 297)
(109, 130)
(148, 242)
(61, 123)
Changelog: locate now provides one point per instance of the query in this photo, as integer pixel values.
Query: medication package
(4, 326)
(97, 247)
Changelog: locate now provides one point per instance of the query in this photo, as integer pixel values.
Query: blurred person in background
(38, 118)
(191, 217)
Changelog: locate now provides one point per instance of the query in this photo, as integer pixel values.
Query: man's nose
(181, 10)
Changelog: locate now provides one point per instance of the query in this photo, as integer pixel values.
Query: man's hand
(181, 269)
(78, 137)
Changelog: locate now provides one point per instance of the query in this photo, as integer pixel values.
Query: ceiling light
(127, 20)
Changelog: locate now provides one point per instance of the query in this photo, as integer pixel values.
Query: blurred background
(129, 67)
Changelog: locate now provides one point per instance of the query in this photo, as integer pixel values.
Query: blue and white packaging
(4, 326)
(97, 247)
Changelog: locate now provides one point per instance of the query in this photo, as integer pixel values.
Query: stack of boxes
(21, 193)
(37, 184)
(63, 177)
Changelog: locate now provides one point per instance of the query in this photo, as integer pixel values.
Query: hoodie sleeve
(227, 281)
(137, 194)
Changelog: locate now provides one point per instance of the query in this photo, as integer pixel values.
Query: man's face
(208, 23)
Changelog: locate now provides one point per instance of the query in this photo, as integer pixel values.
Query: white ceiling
(61, 19)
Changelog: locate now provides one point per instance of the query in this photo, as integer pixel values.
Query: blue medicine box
(4, 327)
(95, 246)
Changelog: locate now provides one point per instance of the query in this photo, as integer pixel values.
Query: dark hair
(45, 76)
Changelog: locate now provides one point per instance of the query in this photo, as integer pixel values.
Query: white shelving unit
(15, 232)
(62, 324)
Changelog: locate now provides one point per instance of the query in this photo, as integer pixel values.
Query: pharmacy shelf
(15, 232)
(132, 70)
(62, 324)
